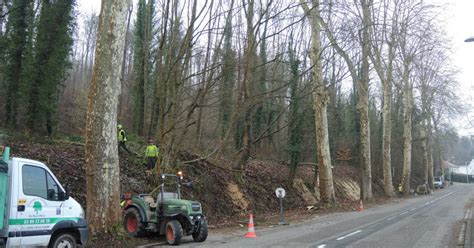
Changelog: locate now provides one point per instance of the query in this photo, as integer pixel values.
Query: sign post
(280, 193)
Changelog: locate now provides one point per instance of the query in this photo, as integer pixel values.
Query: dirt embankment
(226, 200)
(221, 194)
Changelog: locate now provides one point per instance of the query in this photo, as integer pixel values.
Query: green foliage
(142, 62)
(20, 31)
(295, 117)
(261, 109)
(36, 54)
(51, 60)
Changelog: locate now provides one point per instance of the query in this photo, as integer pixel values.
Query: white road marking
(348, 235)
(151, 245)
(391, 218)
(321, 246)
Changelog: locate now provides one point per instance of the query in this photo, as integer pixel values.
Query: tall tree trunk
(430, 157)
(387, 139)
(249, 68)
(124, 60)
(424, 148)
(387, 127)
(407, 127)
(228, 77)
(102, 164)
(1, 20)
(295, 130)
(363, 107)
(320, 103)
(145, 102)
(438, 158)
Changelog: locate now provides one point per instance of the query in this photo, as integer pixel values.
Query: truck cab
(35, 209)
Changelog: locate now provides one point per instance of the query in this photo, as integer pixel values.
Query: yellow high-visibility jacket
(121, 135)
(151, 151)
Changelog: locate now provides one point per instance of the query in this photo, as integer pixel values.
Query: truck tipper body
(35, 209)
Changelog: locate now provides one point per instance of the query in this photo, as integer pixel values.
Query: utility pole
(467, 173)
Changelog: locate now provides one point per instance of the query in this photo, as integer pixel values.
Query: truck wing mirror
(68, 192)
(64, 195)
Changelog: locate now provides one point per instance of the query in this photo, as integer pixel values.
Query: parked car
(438, 183)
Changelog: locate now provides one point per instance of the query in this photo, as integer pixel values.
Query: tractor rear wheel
(201, 234)
(132, 223)
(174, 232)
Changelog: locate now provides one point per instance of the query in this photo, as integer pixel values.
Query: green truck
(35, 210)
(168, 215)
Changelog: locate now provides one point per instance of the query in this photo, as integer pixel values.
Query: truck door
(3, 198)
(42, 207)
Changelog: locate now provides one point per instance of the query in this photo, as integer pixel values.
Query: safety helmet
(119, 126)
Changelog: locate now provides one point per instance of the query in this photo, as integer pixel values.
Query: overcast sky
(458, 18)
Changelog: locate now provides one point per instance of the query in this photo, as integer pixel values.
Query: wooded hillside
(364, 83)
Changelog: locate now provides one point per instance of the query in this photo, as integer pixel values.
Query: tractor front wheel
(65, 240)
(132, 223)
(174, 232)
(201, 234)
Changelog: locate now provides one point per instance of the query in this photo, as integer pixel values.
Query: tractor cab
(170, 187)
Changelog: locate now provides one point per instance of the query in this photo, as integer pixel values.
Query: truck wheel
(64, 240)
(174, 232)
(201, 234)
(132, 223)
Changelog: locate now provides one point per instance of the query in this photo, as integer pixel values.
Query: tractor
(169, 215)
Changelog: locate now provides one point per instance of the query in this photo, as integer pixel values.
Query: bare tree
(320, 103)
(384, 47)
(411, 44)
(360, 78)
(363, 105)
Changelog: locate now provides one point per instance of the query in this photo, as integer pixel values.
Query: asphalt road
(422, 221)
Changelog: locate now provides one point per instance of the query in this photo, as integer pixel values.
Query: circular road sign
(280, 192)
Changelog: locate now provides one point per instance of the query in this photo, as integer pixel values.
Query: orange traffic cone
(361, 206)
(251, 231)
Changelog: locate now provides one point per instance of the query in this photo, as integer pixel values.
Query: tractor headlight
(184, 208)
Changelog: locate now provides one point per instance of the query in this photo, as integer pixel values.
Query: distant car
(438, 183)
